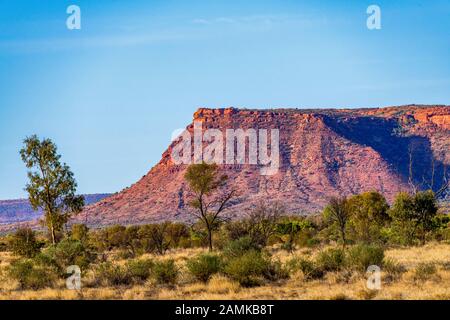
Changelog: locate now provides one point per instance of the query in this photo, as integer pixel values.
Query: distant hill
(19, 210)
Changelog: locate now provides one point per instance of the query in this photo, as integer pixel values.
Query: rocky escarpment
(322, 153)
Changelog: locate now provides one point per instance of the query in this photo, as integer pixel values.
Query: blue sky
(111, 94)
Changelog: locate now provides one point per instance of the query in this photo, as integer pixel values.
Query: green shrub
(165, 272)
(79, 232)
(155, 237)
(204, 266)
(31, 276)
(66, 253)
(276, 271)
(98, 240)
(139, 270)
(310, 269)
(307, 238)
(289, 229)
(331, 259)
(425, 271)
(185, 243)
(109, 274)
(362, 256)
(176, 232)
(23, 243)
(236, 229)
(240, 247)
(248, 269)
(114, 236)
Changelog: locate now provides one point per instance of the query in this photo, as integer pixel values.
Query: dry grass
(337, 285)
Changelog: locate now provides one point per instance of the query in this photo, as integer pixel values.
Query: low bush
(240, 247)
(139, 270)
(360, 257)
(307, 239)
(310, 269)
(23, 243)
(79, 232)
(109, 274)
(393, 269)
(66, 253)
(276, 271)
(332, 259)
(204, 266)
(236, 229)
(425, 271)
(31, 276)
(165, 272)
(248, 269)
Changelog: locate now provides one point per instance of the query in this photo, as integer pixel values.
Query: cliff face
(322, 153)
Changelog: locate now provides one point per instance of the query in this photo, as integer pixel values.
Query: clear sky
(111, 94)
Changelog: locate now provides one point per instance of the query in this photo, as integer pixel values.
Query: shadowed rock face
(322, 153)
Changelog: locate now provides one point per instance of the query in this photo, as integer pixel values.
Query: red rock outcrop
(322, 153)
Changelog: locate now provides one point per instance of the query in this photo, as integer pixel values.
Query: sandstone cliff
(322, 153)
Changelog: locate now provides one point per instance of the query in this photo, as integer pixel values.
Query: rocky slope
(322, 153)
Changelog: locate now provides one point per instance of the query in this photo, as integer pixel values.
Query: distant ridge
(19, 210)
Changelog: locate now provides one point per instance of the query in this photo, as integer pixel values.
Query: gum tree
(413, 215)
(338, 212)
(369, 214)
(51, 185)
(210, 198)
